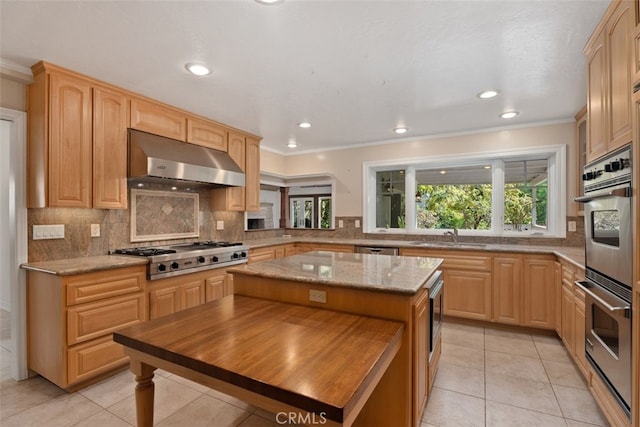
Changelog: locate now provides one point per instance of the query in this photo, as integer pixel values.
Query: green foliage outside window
(454, 206)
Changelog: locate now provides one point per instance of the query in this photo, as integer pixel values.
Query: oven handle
(620, 192)
(614, 303)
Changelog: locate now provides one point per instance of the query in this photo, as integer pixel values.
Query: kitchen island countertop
(71, 266)
(395, 274)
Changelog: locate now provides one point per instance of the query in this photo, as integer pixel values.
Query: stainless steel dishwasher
(376, 250)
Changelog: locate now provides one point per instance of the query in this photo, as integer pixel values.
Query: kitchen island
(388, 287)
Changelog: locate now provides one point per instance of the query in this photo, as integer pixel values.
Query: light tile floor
(487, 377)
(493, 377)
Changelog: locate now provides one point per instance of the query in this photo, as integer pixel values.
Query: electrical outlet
(95, 230)
(340, 223)
(219, 225)
(357, 223)
(572, 225)
(42, 232)
(317, 296)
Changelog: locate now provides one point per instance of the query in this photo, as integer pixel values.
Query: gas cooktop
(167, 261)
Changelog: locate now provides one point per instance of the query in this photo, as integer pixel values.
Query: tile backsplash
(115, 231)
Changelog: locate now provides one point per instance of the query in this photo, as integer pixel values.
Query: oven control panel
(614, 167)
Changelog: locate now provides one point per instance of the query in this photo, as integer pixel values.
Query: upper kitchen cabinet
(74, 124)
(245, 151)
(207, 134)
(110, 114)
(610, 66)
(158, 119)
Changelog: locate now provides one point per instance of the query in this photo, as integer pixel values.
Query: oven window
(606, 227)
(606, 329)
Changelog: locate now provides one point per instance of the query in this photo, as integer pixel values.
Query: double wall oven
(608, 275)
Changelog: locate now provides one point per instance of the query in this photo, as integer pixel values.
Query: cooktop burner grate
(144, 251)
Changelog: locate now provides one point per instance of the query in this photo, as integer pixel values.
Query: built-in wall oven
(608, 275)
(436, 298)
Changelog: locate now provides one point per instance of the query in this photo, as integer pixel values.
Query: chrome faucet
(453, 234)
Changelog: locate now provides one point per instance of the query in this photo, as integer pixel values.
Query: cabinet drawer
(567, 275)
(105, 284)
(92, 358)
(464, 262)
(90, 321)
(261, 255)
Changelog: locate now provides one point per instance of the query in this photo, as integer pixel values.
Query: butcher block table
(315, 365)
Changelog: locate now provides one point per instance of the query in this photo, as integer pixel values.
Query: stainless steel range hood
(154, 158)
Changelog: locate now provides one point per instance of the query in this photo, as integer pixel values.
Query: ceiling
(354, 69)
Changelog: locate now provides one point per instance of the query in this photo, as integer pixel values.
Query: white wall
(5, 255)
(346, 165)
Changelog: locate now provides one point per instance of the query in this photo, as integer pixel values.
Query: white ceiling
(354, 69)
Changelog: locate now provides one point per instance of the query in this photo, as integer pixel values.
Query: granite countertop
(71, 266)
(405, 275)
(572, 254)
(67, 267)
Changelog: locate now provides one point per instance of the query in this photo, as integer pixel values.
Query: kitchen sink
(448, 244)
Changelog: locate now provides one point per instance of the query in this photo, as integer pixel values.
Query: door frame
(19, 237)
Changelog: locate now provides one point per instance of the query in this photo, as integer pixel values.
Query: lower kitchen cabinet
(70, 320)
(219, 284)
(538, 296)
(271, 252)
(421, 353)
(507, 289)
(467, 294)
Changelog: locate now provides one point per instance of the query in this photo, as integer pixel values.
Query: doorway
(13, 248)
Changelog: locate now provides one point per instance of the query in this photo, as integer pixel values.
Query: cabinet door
(158, 119)
(568, 318)
(557, 296)
(467, 294)
(539, 304)
(261, 254)
(232, 198)
(579, 325)
(619, 39)
(192, 294)
(164, 301)
(507, 290)
(252, 175)
(596, 101)
(421, 353)
(70, 162)
(109, 149)
(215, 286)
(207, 134)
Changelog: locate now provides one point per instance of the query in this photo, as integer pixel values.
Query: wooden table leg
(144, 393)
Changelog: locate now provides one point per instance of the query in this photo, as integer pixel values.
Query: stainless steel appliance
(156, 159)
(608, 275)
(168, 261)
(376, 251)
(436, 298)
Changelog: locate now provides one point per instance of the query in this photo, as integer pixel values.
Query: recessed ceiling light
(304, 125)
(269, 2)
(443, 172)
(400, 130)
(487, 167)
(292, 144)
(509, 114)
(488, 94)
(197, 69)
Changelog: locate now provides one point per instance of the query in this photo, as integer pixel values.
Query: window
(520, 192)
(324, 213)
(454, 197)
(301, 212)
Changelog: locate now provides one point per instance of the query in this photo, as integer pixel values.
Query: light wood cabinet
(572, 301)
(252, 175)
(110, 118)
(609, 57)
(158, 119)
(468, 294)
(507, 289)
(218, 285)
(170, 295)
(539, 305)
(262, 254)
(579, 331)
(581, 155)
(207, 134)
(557, 295)
(568, 317)
(59, 145)
(70, 320)
(76, 142)
(245, 151)
(421, 352)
